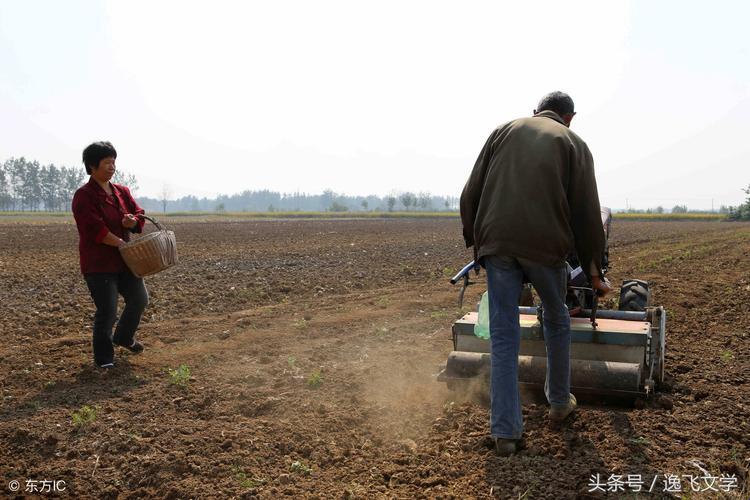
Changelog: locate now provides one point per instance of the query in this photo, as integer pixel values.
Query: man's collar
(551, 114)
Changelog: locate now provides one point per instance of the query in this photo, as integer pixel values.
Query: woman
(106, 214)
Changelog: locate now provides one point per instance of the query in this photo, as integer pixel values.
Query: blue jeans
(504, 282)
(104, 288)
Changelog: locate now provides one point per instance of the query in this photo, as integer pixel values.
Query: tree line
(327, 201)
(28, 185)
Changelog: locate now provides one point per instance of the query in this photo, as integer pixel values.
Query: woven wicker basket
(151, 253)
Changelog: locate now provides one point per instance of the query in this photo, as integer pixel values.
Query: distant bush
(741, 212)
(338, 207)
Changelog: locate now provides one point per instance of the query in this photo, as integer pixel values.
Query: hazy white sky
(368, 97)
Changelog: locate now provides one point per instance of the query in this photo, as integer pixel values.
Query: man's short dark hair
(557, 101)
(96, 152)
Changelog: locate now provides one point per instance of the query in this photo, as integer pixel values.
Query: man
(531, 200)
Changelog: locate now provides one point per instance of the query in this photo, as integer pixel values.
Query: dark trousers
(104, 288)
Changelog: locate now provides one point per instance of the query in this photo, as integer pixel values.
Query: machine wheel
(634, 295)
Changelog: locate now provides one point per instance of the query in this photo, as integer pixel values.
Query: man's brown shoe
(506, 447)
(558, 413)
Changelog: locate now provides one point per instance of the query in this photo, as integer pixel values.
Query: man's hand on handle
(601, 286)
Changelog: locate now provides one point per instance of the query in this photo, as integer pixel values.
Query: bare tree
(166, 192)
(126, 179)
(424, 200)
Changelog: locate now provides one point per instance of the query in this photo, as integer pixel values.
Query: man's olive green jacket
(532, 194)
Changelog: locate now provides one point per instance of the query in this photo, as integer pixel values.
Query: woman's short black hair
(96, 152)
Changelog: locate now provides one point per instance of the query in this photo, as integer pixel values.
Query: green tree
(194, 204)
(5, 196)
(15, 168)
(72, 179)
(327, 198)
(408, 199)
(391, 200)
(741, 212)
(32, 189)
(49, 177)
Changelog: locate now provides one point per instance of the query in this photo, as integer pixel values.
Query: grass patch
(669, 217)
(678, 253)
(640, 440)
(448, 272)
(381, 332)
(180, 376)
(727, 356)
(439, 314)
(84, 417)
(300, 468)
(244, 480)
(315, 380)
(23, 213)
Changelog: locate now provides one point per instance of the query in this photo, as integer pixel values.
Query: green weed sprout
(315, 379)
(180, 376)
(84, 417)
(300, 468)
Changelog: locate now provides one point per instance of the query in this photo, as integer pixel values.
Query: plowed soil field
(312, 348)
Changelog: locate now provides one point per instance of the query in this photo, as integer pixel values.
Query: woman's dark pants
(104, 288)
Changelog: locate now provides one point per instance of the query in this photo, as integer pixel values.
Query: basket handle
(153, 221)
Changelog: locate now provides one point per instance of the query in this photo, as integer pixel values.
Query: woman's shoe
(136, 347)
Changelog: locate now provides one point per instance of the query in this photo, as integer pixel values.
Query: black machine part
(587, 376)
(576, 277)
(634, 295)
